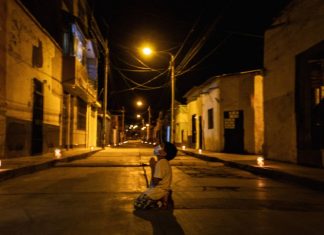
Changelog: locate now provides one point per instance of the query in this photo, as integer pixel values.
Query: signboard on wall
(230, 118)
(233, 131)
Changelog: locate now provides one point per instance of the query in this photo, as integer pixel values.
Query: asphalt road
(95, 196)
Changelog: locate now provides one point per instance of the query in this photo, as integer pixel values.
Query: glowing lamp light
(200, 151)
(139, 103)
(147, 51)
(0, 163)
(58, 153)
(91, 148)
(260, 161)
(183, 147)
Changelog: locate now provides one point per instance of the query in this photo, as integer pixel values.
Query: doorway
(310, 105)
(233, 131)
(193, 131)
(37, 121)
(200, 133)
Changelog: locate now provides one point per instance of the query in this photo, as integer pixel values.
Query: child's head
(166, 150)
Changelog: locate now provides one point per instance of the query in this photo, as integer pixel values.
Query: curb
(202, 156)
(263, 171)
(4, 175)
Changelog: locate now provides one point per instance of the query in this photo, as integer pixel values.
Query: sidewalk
(306, 176)
(12, 167)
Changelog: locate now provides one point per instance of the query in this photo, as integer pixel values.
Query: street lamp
(148, 51)
(139, 103)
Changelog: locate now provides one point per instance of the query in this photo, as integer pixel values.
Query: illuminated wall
(212, 132)
(31, 56)
(194, 109)
(181, 124)
(243, 91)
(3, 36)
(240, 92)
(300, 26)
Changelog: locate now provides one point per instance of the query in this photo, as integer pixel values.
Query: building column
(3, 56)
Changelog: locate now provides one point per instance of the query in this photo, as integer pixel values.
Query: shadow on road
(163, 221)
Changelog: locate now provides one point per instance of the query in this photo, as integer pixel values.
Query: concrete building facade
(31, 89)
(225, 114)
(3, 64)
(181, 124)
(194, 110)
(294, 84)
(74, 28)
(48, 76)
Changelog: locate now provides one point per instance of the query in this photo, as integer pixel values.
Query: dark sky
(208, 37)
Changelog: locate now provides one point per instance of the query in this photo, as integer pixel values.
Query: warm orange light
(139, 103)
(58, 153)
(147, 51)
(138, 115)
(260, 161)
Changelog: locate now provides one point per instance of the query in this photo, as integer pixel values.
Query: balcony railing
(75, 79)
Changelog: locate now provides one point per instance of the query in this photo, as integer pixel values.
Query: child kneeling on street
(159, 191)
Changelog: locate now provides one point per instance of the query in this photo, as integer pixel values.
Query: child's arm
(154, 180)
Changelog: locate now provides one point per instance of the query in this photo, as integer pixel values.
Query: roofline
(195, 88)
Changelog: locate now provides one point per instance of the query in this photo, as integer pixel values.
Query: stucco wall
(300, 27)
(3, 16)
(181, 120)
(194, 108)
(238, 93)
(233, 92)
(24, 34)
(92, 127)
(257, 105)
(213, 139)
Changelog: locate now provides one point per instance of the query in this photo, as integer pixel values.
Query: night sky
(207, 37)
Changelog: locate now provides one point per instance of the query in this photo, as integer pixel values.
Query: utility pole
(149, 123)
(123, 123)
(149, 115)
(172, 98)
(104, 121)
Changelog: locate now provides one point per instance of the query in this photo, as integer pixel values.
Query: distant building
(225, 113)
(294, 85)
